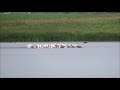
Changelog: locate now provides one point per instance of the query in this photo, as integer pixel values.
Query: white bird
(37, 45)
(29, 45)
(40, 46)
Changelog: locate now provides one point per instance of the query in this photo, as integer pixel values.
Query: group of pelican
(50, 45)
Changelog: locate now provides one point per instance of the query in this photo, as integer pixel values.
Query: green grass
(75, 26)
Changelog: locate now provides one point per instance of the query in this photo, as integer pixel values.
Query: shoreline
(63, 42)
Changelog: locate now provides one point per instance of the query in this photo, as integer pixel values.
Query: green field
(59, 26)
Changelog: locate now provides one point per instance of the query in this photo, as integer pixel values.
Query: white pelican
(29, 45)
(37, 45)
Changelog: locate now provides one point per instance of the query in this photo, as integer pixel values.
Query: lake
(93, 60)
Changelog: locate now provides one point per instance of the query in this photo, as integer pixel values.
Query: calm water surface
(95, 59)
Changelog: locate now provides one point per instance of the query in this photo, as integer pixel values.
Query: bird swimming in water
(85, 42)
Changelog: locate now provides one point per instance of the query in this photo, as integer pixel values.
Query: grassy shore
(75, 26)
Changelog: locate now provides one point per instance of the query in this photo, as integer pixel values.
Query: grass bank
(75, 26)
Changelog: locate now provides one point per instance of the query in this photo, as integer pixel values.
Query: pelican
(84, 42)
(78, 46)
(68, 45)
(37, 45)
(62, 45)
(34, 46)
(29, 45)
(42, 46)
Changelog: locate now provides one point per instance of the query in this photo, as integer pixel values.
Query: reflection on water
(94, 59)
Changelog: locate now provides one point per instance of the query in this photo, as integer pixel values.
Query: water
(93, 60)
